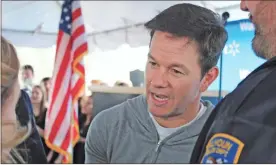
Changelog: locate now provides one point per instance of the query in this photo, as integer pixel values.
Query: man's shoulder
(120, 112)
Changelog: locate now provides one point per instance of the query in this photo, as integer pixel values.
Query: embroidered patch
(222, 148)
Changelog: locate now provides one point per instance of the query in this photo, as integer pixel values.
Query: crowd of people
(39, 96)
(170, 123)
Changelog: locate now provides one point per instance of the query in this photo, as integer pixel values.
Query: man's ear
(209, 78)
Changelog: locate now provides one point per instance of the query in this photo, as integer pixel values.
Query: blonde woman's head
(10, 93)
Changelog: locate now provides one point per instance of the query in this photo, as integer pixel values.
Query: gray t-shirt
(165, 132)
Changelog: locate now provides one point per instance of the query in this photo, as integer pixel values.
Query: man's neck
(173, 122)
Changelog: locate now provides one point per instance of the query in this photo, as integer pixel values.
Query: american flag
(62, 129)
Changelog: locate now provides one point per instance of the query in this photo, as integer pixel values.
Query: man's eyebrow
(151, 57)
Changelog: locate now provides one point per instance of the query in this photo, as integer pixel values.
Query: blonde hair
(14, 132)
(42, 106)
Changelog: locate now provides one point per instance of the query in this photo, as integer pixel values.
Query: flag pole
(62, 131)
(71, 133)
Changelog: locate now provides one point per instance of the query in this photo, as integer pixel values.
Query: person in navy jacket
(32, 148)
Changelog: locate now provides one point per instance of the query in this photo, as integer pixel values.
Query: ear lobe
(204, 84)
(209, 78)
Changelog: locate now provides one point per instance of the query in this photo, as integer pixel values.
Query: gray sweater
(126, 133)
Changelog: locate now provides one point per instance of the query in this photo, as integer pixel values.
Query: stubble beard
(264, 42)
(264, 45)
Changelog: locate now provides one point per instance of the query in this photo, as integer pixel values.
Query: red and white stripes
(62, 130)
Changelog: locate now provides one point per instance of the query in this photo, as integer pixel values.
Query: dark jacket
(242, 127)
(31, 149)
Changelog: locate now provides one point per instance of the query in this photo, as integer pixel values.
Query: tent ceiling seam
(89, 34)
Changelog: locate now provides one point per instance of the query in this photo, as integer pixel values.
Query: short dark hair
(45, 79)
(28, 67)
(197, 23)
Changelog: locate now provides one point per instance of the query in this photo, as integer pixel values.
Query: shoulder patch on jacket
(222, 148)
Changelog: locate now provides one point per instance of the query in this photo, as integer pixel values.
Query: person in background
(243, 124)
(81, 103)
(27, 78)
(121, 84)
(39, 109)
(103, 84)
(98, 82)
(20, 142)
(46, 85)
(86, 111)
(163, 125)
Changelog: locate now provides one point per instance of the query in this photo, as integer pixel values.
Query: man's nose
(160, 79)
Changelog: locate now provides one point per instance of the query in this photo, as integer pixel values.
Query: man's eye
(152, 63)
(177, 72)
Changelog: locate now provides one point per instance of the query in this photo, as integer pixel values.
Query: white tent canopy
(109, 24)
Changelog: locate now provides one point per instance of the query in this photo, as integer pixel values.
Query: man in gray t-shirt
(162, 126)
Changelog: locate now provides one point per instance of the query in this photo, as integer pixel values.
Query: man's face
(27, 74)
(263, 16)
(173, 75)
